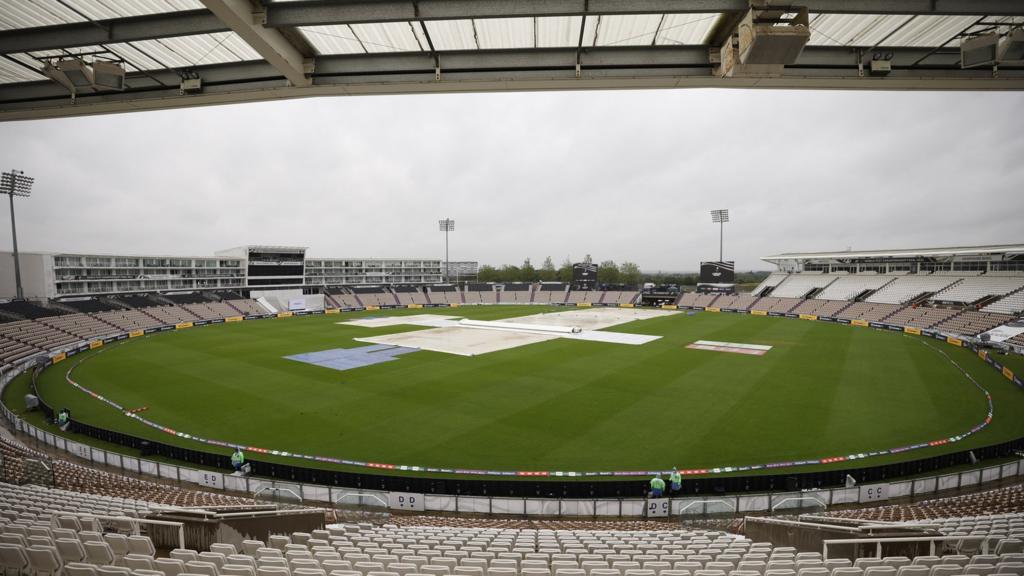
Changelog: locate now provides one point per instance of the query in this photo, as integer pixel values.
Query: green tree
(547, 271)
(565, 271)
(527, 273)
(587, 259)
(608, 273)
(487, 273)
(629, 273)
(509, 273)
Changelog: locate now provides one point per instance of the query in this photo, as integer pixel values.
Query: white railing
(133, 523)
(931, 540)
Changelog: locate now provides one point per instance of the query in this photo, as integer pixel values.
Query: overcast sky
(628, 175)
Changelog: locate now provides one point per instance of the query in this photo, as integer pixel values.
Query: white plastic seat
(945, 570)
(202, 567)
(113, 571)
(70, 550)
(235, 570)
(141, 545)
(169, 566)
(184, 554)
(43, 560)
(99, 553)
(137, 562)
(79, 569)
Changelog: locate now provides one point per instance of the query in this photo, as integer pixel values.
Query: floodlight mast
(15, 183)
(720, 217)
(447, 225)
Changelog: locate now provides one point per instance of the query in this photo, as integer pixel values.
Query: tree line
(608, 272)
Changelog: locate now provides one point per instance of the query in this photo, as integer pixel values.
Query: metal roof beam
(321, 12)
(240, 16)
(112, 31)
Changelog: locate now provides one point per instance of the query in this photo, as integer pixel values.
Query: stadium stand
(975, 288)
(138, 301)
(171, 314)
(23, 309)
(999, 501)
(851, 286)
(550, 292)
(516, 293)
(828, 308)
(36, 334)
(410, 295)
(697, 300)
(128, 320)
(921, 317)
(339, 296)
(773, 280)
(736, 302)
(800, 285)
(246, 306)
(88, 305)
(210, 310)
(867, 311)
(972, 323)
(444, 294)
(479, 294)
(190, 298)
(773, 304)
(1011, 304)
(84, 326)
(906, 288)
(620, 296)
(374, 296)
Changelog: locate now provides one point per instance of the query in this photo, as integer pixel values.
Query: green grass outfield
(823, 390)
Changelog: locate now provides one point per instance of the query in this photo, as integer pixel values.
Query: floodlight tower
(15, 183)
(447, 225)
(720, 217)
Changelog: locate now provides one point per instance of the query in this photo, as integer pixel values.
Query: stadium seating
(516, 293)
(479, 294)
(36, 334)
(773, 280)
(410, 295)
(444, 294)
(972, 323)
(83, 326)
(799, 285)
(619, 296)
(88, 305)
(827, 308)
(975, 288)
(171, 314)
(1012, 304)
(906, 288)
(548, 293)
(736, 302)
(999, 501)
(773, 304)
(921, 317)
(867, 311)
(697, 300)
(211, 310)
(850, 286)
(28, 310)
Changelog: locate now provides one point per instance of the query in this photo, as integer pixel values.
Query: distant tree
(509, 273)
(565, 271)
(629, 273)
(587, 259)
(527, 273)
(487, 273)
(608, 273)
(547, 271)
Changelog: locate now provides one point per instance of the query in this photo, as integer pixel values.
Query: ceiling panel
(631, 30)
(12, 72)
(452, 34)
(558, 32)
(505, 33)
(391, 37)
(31, 13)
(686, 28)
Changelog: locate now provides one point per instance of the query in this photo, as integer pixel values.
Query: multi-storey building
(61, 275)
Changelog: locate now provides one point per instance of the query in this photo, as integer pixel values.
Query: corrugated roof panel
(200, 49)
(333, 39)
(30, 13)
(505, 33)
(890, 30)
(390, 37)
(11, 72)
(558, 32)
(452, 34)
(632, 30)
(931, 31)
(686, 28)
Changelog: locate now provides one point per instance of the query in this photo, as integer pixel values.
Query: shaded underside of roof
(391, 46)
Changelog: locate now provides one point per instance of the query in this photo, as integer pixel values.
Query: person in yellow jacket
(657, 486)
(675, 480)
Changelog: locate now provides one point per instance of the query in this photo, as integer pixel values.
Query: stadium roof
(907, 253)
(250, 50)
